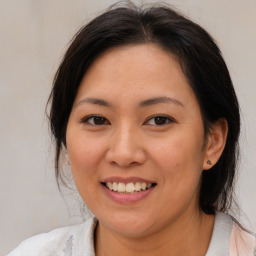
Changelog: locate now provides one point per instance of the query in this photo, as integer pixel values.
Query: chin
(132, 225)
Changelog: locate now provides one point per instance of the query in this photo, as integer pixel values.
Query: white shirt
(228, 239)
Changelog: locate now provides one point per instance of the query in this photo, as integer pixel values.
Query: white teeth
(110, 185)
(121, 187)
(115, 186)
(129, 187)
(143, 186)
(149, 185)
(137, 186)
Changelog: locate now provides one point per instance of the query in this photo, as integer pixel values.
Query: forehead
(135, 70)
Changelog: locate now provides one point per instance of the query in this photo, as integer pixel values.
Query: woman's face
(135, 141)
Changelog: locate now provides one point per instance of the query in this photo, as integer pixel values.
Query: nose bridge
(125, 146)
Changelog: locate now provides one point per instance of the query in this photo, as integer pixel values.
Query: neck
(178, 239)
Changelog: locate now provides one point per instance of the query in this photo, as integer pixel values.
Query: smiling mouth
(128, 188)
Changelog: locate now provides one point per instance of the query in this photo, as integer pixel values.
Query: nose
(126, 148)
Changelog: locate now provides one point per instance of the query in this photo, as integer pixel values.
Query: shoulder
(58, 241)
(242, 240)
(230, 238)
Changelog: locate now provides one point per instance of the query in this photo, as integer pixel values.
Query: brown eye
(96, 120)
(159, 120)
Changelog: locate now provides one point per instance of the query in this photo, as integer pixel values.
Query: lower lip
(126, 198)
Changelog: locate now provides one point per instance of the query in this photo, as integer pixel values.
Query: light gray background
(33, 36)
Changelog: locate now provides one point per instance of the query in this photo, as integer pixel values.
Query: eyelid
(85, 119)
(170, 119)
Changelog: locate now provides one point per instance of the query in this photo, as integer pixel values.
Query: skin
(129, 143)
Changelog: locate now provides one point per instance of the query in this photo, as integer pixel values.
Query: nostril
(134, 164)
(124, 163)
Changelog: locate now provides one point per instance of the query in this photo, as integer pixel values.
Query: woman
(144, 109)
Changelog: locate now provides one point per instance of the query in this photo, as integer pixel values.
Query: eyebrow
(94, 101)
(158, 100)
(145, 103)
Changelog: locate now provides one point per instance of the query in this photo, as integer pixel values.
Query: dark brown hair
(200, 60)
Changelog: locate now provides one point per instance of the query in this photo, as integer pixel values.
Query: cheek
(85, 154)
(83, 150)
(177, 151)
(179, 158)
(179, 166)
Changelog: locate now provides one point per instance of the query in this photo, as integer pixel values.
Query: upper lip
(119, 179)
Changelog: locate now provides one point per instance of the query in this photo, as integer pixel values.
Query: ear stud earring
(209, 162)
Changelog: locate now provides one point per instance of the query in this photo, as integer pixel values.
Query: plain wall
(33, 36)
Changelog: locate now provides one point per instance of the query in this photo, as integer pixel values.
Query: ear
(216, 141)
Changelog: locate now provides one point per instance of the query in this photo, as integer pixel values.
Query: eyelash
(163, 117)
(106, 122)
(86, 120)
